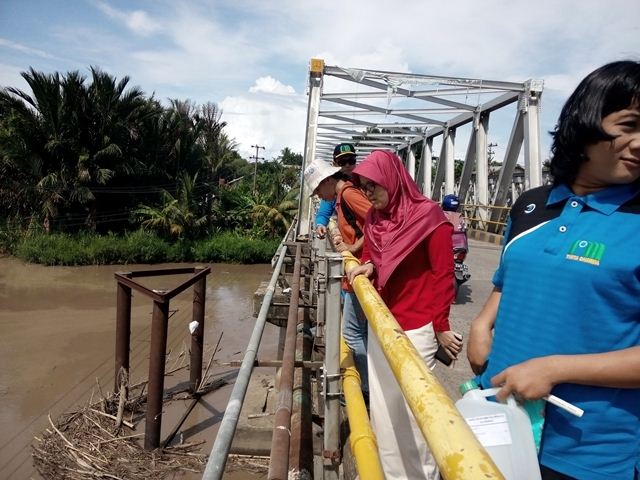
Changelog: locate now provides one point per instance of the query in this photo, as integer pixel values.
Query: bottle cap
(467, 386)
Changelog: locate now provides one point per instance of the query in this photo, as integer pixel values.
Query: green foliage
(230, 247)
(140, 247)
(178, 217)
(84, 155)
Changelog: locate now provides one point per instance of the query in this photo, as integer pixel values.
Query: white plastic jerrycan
(503, 429)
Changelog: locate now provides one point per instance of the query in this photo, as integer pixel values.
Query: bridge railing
(488, 218)
(455, 448)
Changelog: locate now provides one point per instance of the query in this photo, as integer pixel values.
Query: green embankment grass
(141, 247)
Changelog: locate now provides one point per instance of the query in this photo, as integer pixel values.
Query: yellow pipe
(455, 448)
(362, 439)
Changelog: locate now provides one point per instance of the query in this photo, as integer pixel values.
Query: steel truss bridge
(413, 114)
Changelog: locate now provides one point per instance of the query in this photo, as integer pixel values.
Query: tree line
(94, 154)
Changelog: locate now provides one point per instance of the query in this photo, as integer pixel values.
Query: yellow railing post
(361, 437)
(455, 448)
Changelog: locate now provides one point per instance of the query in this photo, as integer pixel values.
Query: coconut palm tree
(178, 216)
(276, 219)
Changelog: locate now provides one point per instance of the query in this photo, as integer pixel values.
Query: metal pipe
(123, 331)
(363, 443)
(220, 451)
(455, 448)
(279, 463)
(197, 338)
(157, 356)
(331, 454)
(301, 443)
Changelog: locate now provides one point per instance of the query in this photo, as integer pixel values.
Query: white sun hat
(315, 173)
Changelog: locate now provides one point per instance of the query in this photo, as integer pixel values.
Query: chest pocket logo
(586, 252)
(530, 208)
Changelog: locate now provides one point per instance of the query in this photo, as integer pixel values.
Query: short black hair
(340, 175)
(612, 87)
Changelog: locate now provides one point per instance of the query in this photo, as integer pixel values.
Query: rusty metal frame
(159, 327)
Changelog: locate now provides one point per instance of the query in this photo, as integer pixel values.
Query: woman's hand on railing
(451, 341)
(366, 270)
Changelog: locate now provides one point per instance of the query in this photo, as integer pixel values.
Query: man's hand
(321, 231)
(528, 380)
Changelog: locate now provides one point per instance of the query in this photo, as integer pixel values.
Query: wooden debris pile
(98, 442)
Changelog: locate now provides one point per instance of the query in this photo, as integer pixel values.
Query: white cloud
(24, 49)
(208, 50)
(138, 21)
(261, 118)
(269, 84)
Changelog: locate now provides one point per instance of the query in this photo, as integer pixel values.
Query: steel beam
(426, 165)
(304, 206)
(532, 160)
(506, 171)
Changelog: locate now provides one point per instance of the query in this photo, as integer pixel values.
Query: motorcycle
(460, 248)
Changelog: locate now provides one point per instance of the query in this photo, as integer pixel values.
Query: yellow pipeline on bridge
(362, 439)
(454, 446)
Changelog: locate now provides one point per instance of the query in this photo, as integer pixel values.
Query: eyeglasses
(342, 162)
(368, 187)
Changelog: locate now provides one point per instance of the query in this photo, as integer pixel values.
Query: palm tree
(178, 216)
(276, 219)
(70, 136)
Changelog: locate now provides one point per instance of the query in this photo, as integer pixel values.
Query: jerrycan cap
(467, 386)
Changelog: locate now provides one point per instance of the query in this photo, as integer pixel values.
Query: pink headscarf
(393, 232)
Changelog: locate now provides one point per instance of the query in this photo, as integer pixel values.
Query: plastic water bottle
(503, 429)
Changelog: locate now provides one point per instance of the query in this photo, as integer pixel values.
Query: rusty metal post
(197, 338)
(157, 356)
(279, 462)
(123, 331)
(301, 448)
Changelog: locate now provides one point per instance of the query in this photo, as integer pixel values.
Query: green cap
(468, 385)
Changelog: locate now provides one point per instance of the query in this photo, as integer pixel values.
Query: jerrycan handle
(491, 392)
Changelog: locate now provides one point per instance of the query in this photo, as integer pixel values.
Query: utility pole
(255, 166)
(491, 152)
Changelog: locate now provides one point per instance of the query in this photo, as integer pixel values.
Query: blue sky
(251, 57)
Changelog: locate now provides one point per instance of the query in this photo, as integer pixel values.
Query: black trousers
(548, 474)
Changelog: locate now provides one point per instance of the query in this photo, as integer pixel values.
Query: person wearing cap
(332, 183)
(344, 156)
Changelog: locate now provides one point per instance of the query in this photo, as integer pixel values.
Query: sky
(251, 57)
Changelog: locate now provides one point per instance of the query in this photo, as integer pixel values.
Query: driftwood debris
(89, 444)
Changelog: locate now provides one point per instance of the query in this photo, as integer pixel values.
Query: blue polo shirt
(570, 281)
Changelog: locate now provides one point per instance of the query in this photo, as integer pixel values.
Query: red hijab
(393, 232)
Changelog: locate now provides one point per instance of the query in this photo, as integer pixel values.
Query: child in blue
(564, 316)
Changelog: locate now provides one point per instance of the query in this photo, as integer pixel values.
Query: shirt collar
(605, 201)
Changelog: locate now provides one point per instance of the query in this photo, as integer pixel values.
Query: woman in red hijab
(408, 255)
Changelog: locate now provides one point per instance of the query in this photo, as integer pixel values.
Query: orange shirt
(359, 205)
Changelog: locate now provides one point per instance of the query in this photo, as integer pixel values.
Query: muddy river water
(57, 341)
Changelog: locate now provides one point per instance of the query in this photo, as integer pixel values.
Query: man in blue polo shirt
(565, 310)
